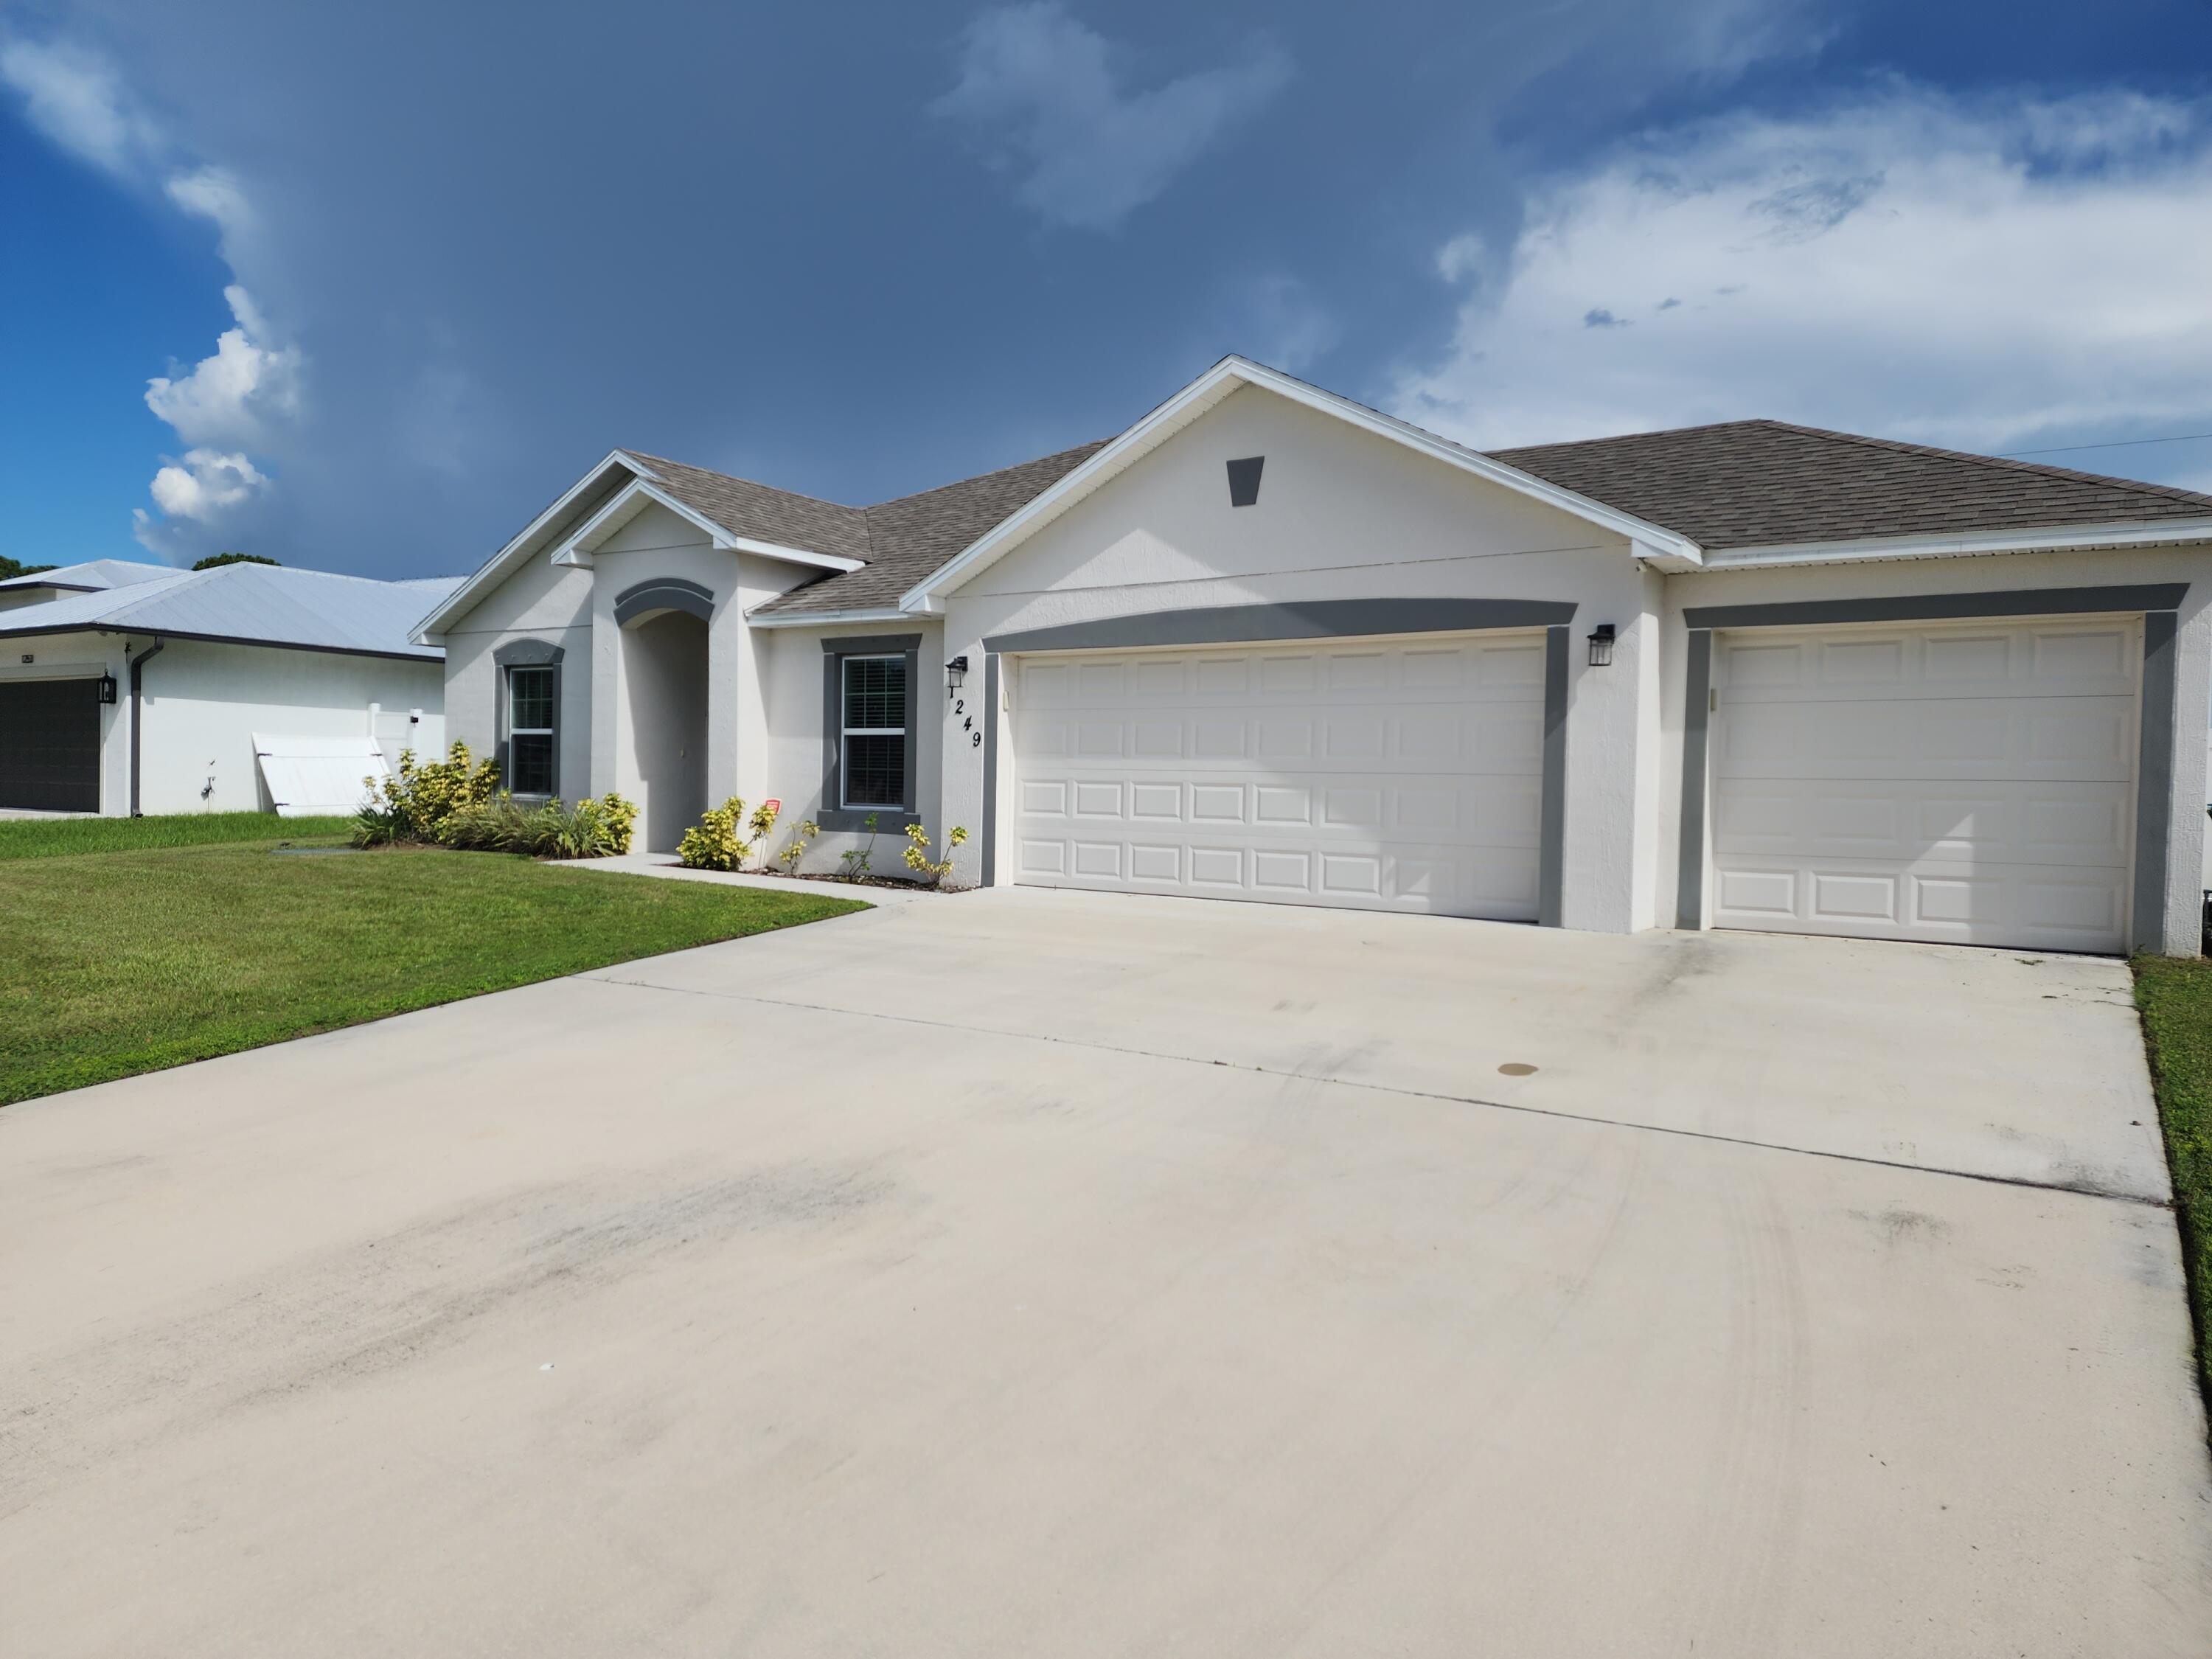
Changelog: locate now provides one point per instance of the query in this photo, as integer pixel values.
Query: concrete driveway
(1038, 1273)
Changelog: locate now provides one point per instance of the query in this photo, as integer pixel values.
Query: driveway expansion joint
(2076, 1189)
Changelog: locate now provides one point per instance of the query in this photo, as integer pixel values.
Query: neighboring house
(1268, 644)
(128, 688)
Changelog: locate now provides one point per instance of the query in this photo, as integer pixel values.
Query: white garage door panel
(1382, 776)
(1970, 783)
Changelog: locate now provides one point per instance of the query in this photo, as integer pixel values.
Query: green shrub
(855, 860)
(552, 830)
(418, 802)
(917, 854)
(456, 803)
(795, 849)
(724, 838)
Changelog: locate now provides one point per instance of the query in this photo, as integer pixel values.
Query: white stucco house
(1269, 645)
(131, 688)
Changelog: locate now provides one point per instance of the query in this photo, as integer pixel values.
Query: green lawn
(54, 838)
(118, 963)
(2175, 995)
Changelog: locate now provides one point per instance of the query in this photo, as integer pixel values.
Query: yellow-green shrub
(917, 853)
(419, 802)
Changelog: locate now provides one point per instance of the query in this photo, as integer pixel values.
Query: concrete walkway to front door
(1028, 1273)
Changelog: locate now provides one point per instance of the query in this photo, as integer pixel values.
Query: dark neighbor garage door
(50, 745)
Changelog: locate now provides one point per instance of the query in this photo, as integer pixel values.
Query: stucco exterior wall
(793, 675)
(86, 657)
(204, 702)
(1342, 514)
(540, 601)
(1991, 574)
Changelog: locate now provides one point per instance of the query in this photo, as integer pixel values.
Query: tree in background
(214, 560)
(11, 568)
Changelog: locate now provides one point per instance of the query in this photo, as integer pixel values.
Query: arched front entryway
(663, 766)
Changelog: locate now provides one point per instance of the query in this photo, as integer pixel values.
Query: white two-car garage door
(1395, 776)
(1969, 782)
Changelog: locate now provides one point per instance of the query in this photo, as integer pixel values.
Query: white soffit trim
(1209, 389)
(826, 618)
(2067, 539)
(577, 550)
(493, 571)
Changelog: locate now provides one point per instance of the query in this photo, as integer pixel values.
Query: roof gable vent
(1245, 480)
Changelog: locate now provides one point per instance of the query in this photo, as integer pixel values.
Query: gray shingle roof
(255, 604)
(901, 540)
(913, 535)
(1761, 484)
(1740, 484)
(745, 508)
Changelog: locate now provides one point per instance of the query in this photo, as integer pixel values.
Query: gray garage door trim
(2158, 604)
(1324, 619)
(61, 774)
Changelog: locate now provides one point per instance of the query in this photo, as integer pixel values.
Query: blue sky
(362, 289)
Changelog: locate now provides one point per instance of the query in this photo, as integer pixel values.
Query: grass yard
(123, 962)
(2175, 995)
(54, 838)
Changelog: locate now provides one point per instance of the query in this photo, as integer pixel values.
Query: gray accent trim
(502, 751)
(1690, 857)
(1552, 846)
(1245, 480)
(664, 593)
(138, 709)
(2158, 603)
(990, 767)
(2155, 780)
(832, 816)
(1308, 619)
(528, 653)
(1941, 607)
(429, 653)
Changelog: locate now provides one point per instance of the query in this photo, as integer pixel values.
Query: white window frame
(845, 733)
(550, 734)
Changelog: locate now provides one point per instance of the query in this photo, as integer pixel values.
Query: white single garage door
(1967, 782)
(1403, 775)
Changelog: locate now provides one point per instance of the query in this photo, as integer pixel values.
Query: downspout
(137, 681)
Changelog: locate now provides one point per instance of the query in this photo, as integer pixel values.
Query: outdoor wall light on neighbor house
(955, 671)
(108, 688)
(1601, 644)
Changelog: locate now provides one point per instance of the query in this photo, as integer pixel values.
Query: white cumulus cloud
(231, 396)
(251, 386)
(1986, 275)
(74, 98)
(205, 483)
(1045, 93)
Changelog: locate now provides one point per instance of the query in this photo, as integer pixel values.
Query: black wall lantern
(108, 688)
(955, 671)
(1601, 644)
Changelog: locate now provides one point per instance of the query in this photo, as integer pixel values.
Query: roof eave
(2060, 538)
(594, 532)
(155, 630)
(493, 571)
(758, 618)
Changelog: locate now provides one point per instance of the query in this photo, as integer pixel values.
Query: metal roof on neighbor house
(252, 605)
(92, 577)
